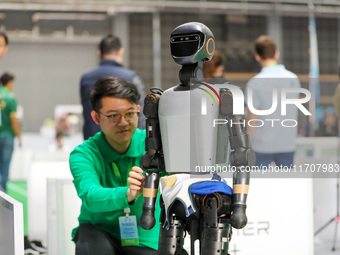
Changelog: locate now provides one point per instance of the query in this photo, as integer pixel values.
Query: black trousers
(92, 240)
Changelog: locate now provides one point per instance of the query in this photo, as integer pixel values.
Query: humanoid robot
(181, 138)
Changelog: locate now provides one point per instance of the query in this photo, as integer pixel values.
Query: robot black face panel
(192, 42)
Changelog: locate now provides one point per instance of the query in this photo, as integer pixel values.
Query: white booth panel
(63, 208)
(37, 207)
(20, 164)
(321, 150)
(11, 226)
(280, 219)
(318, 149)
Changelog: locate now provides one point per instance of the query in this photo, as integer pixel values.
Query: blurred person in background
(111, 57)
(213, 69)
(272, 143)
(328, 125)
(3, 44)
(63, 128)
(3, 51)
(336, 100)
(10, 127)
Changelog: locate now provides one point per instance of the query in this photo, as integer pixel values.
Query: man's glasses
(116, 118)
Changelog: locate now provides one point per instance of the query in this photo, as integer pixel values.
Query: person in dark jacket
(111, 54)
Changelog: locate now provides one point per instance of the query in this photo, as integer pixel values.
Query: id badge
(128, 230)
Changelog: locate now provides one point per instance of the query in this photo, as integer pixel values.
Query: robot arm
(241, 157)
(152, 160)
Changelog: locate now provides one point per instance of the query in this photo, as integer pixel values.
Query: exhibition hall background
(52, 43)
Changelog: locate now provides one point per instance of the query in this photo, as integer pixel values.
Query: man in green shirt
(3, 51)
(107, 175)
(10, 127)
(6, 143)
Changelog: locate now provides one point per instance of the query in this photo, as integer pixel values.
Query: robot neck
(190, 74)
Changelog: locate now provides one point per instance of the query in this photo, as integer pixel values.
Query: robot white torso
(192, 143)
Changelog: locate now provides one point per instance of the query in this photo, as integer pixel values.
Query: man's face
(118, 120)
(10, 85)
(3, 47)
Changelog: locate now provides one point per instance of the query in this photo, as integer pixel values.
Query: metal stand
(335, 219)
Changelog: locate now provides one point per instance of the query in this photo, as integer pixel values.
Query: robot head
(192, 42)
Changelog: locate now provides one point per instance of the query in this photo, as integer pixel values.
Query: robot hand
(239, 219)
(147, 220)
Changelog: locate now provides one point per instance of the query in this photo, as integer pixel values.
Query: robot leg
(216, 225)
(171, 240)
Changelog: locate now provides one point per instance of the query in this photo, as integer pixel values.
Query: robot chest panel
(188, 136)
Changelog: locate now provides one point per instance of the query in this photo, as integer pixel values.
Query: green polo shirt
(100, 177)
(8, 106)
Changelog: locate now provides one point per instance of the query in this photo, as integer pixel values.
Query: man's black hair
(5, 37)
(5, 78)
(112, 87)
(109, 44)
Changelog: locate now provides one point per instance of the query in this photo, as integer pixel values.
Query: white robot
(181, 139)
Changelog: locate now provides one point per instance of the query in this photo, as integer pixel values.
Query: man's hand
(136, 183)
